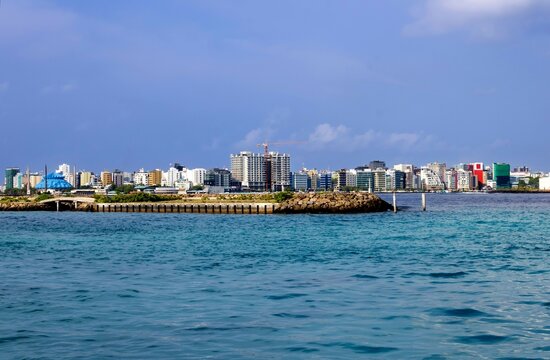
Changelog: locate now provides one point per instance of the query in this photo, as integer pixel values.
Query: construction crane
(267, 158)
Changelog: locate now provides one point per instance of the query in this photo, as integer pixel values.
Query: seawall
(298, 203)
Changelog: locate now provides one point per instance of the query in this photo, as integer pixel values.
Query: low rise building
(544, 183)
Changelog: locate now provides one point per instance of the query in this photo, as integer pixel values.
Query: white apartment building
(64, 169)
(170, 177)
(141, 177)
(430, 179)
(379, 176)
(464, 180)
(451, 179)
(439, 169)
(351, 178)
(544, 183)
(249, 169)
(196, 176)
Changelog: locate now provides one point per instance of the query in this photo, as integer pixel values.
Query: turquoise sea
(469, 278)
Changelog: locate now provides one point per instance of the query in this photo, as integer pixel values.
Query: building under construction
(269, 171)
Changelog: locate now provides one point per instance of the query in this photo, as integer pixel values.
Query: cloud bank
(487, 19)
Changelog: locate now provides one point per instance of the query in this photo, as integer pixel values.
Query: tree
(534, 182)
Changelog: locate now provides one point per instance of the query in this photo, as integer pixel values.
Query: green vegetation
(43, 196)
(532, 184)
(283, 196)
(134, 197)
(123, 189)
(197, 187)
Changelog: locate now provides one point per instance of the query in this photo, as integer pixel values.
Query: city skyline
(272, 171)
(134, 85)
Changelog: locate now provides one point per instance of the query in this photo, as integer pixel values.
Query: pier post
(57, 205)
(423, 201)
(394, 203)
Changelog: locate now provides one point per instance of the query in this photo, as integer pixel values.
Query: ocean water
(469, 278)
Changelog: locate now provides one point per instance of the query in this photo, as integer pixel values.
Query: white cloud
(403, 139)
(53, 88)
(275, 120)
(4, 86)
(326, 133)
(481, 18)
(345, 139)
(70, 87)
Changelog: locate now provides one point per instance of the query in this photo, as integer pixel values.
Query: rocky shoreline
(25, 206)
(333, 203)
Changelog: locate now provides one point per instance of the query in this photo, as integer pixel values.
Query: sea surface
(469, 278)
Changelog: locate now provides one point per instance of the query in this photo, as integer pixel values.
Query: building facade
(280, 171)
(501, 175)
(248, 169)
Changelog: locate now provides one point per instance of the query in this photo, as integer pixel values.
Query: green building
(8, 177)
(501, 175)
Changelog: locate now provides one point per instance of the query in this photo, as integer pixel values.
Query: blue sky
(131, 84)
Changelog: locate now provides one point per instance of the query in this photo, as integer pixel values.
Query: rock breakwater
(24, 206)
(332, 203)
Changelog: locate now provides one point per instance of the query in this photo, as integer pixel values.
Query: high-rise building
(365, 180)
(395, 180)
(379, 176)
(141, 178)
(85, 178)
(218, 177)
(18, 181)
(341, 176)
(64, 169)
(351, 178)
(8, 177)
(170, 177)
(408, 169)
(325, 181)
(196, 176)
(300, 181)
(439, 169)
(118, 178)
(430, 179)
(154, 178)
(248, 169)
(314, 178)
(106, 178)
(501, 174)
(464, 180)
(451, 180)
(280, 171)
(478, 170)
(34, 179)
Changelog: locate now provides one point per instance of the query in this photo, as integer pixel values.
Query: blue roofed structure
(56, 181)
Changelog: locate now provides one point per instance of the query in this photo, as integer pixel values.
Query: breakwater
(25, 206)
(333, 202)
(329, 202)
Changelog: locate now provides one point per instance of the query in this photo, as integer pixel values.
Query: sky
(144, 84)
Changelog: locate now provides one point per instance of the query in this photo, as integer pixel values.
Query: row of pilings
(185, 208)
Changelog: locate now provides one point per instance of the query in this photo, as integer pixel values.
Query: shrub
(283, 196)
